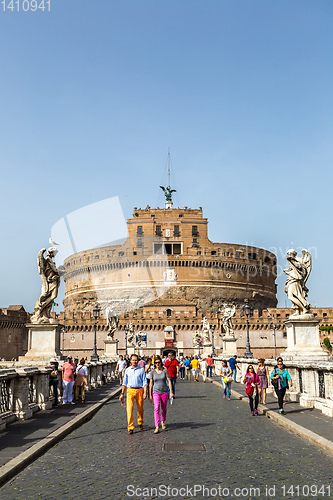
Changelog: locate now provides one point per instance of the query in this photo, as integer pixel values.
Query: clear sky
(93, 93)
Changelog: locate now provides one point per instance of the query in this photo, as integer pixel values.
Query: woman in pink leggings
(159, 386)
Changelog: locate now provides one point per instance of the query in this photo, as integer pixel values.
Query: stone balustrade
(25, 390)
(312, 381)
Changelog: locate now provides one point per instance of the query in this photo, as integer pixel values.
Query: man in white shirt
(120, 368)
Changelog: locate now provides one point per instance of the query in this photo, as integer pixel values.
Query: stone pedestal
(131, 350)
(43, 342)
(303, 339)
(207, 349)
(110, 348)
(229, 346)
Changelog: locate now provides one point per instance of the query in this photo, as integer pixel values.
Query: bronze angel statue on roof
(298, 273)
(168, 193)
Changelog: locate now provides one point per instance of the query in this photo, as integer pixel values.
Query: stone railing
(25, 390)
(312, 381)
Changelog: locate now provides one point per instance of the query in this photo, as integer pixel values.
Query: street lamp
(94, 356)
(248, 353)
(126, 333)
(213, 338)
(273, 327)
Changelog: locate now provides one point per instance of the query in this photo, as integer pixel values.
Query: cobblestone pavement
(245, 455)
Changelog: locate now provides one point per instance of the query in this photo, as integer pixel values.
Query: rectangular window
(194, 230)
(176, 231)
(158, 230)
(177, 249)
(213, 252)
(168, 248)
(139, 230)
(139, 242)
(158, 248)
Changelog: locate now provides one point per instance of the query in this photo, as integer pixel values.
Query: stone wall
(13, 332)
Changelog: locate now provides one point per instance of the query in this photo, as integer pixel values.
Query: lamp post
(126, 333)
(273, 327)
(248, 353)
(213, 338)
(94, 356)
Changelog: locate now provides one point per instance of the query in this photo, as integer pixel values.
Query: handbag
(229, 379)
(249, 390)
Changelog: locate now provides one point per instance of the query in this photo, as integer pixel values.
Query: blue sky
(93, 93)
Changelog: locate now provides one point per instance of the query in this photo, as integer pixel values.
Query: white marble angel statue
(298, 273)
(197, 340)
(131, 334)
(140, 339)
(50, 276)
(228, 311)
(205, 332)
(112, 321)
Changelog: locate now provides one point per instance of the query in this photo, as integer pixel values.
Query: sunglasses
(157, 362)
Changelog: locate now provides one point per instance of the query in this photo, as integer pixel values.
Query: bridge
(212, 448)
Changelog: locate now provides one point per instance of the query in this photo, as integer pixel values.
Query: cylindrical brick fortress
(168, 255)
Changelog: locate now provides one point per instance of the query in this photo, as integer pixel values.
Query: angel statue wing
(307, 263)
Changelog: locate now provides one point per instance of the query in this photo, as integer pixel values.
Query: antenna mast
(169, 167)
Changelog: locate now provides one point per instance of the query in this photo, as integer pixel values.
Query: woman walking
(226, 374)
(252, 381)
(81, 381)
(158, 392)
(182, 368)
(263, 375)
(280, 378)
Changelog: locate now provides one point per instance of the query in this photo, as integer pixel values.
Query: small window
(252, 256)
(324, 315)
(176, 231)
(139, 230)
(139, 242)
(158, 230)
(180, 215)
(198, 253)
(168, 248)
(239, 255)
(213, 252)
(168, 311)
(158, 248)
(177, 249)
(194, 230)
(121, 254)
(96, 257)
